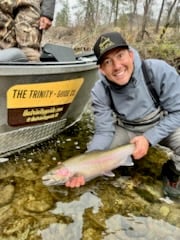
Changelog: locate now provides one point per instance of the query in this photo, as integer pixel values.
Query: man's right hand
(44, 23)
(141, 146)
(75, 182)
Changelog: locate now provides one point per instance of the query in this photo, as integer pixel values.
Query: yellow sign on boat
(43, 94)
(40, 102)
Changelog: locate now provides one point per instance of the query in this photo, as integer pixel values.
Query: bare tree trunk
(89, 16)
(116, 13)
(168, 19)
(176, 19)
(159, 17)
(145, 17)
(134, 12)
(112, 9)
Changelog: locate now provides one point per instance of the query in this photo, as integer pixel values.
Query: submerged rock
(38, 206)
(7, 193)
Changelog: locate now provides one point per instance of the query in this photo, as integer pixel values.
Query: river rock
(7, 193)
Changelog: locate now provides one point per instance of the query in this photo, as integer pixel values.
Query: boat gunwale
(83, 61)
(24, 69)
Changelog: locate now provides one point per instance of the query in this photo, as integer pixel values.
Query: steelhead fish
(90, 165)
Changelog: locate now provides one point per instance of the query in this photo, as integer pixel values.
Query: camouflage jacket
(46, 6)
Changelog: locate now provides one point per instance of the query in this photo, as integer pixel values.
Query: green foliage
(164, 50)
(167, 51)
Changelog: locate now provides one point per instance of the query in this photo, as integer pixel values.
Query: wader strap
(149, 83)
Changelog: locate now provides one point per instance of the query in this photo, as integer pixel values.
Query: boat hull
(39, 100)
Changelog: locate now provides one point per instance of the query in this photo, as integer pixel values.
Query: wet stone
(148, 193)
(6, 213)
(7, 193)
(18, 225)
(164, 211)
(38, 206)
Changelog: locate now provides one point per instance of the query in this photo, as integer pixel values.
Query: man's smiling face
(117, 65)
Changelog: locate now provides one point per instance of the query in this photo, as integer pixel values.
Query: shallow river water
(128, 206)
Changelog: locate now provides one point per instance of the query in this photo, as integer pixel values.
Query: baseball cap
(106, 42)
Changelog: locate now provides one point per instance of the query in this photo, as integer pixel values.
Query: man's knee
(173, 141)
(121, 137)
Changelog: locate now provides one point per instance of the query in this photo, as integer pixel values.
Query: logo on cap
(105, 43)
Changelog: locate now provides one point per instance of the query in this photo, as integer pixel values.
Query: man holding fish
(126, 112)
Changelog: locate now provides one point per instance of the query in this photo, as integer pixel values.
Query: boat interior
(50, 53)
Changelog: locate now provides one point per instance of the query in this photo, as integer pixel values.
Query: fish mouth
(50, 182)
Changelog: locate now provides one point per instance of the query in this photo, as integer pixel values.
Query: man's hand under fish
(75, 182)
(141, 147)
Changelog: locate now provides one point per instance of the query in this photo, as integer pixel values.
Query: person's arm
(167, 83)
(103, 119)
(47, 14)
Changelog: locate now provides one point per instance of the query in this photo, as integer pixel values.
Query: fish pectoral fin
(109, 174)
(128, 161)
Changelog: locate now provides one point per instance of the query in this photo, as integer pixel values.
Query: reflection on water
(117, 227)
(75, 210)
(141, 228)
(99, 210)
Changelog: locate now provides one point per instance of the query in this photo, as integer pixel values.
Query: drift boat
(41, 99)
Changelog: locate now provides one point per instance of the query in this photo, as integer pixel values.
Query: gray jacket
(47, 8)
(133, 102)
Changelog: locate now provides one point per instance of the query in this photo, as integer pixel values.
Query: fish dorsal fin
(109, 174)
